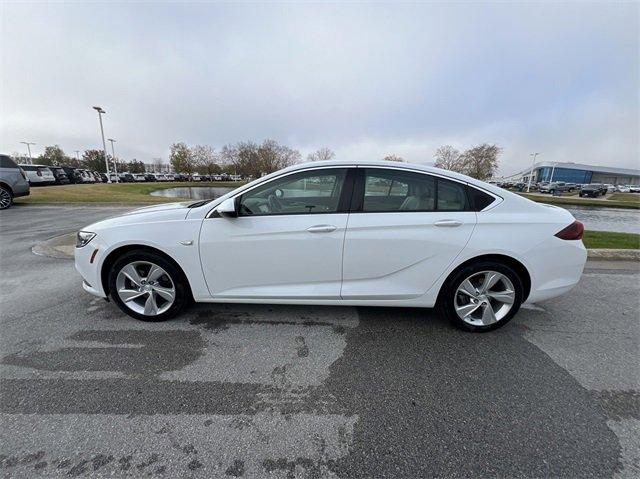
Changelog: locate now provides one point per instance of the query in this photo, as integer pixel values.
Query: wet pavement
(283, 391)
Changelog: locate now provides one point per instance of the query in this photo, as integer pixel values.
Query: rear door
(404, 230)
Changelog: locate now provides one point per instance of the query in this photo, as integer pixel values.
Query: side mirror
(227, 208)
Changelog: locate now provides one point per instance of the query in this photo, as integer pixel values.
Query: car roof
(398, 165)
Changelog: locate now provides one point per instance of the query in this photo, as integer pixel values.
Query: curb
(614, 254)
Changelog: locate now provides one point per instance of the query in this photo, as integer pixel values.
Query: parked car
(38, 175)
(150, 177)
(160, 177)
(419, 237)
(139, 177)
(13, 182)
(623, 189)
(60, 175)
(96, 176)
(72, 174)
(556, 187)
(634, 188)
(196, 177)
(592, 191)
(610, 188)
(169, 177)
(103, 178)
(126, 177)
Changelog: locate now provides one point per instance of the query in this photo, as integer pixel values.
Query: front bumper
(90, 272)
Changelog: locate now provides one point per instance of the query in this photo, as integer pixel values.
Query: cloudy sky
(366, 80)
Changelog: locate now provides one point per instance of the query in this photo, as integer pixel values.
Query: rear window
(28, 168)
(7, 162)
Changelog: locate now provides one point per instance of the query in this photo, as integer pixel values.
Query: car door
(286, 241)
(405, 229)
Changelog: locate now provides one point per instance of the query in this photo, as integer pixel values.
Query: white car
(38, 175)
(339, 233)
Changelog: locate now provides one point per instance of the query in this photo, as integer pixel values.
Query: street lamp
(28, 143)
(104, 145)
(115, 164)
(532, 167)
(77, 154)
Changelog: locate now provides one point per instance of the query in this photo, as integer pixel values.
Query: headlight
(83, 237)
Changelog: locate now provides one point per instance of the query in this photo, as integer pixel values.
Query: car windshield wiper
(197, 204)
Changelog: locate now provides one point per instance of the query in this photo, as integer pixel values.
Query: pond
(607, 219)
(193, 192)
(595, 219)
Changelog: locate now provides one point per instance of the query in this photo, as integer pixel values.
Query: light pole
(104, 145)
(28, 143)
(113, 154)
(532, 167)
(77, 156)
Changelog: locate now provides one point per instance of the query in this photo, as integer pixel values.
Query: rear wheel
(6, 198)
(147, 286)
(482, 296)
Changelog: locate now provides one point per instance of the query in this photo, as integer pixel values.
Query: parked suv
(60, 175)
(38, 175)
(13, 181)
(592, 191)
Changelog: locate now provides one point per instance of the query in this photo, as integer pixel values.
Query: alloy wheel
(145, 288)
(484, 298)
(5, 198)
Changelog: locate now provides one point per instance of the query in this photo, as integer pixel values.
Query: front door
(405, 230)
(286, 242)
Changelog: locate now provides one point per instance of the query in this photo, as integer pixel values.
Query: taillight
(572, 232)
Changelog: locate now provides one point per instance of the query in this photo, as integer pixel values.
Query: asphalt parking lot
(280, 391)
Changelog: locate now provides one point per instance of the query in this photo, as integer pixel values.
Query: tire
(508, 286)
(6, 198)
(148, 275)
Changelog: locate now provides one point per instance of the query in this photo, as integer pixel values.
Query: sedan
(339, 233)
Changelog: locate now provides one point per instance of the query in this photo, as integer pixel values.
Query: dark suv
(592, 191)
(60, 175)
(13, 182)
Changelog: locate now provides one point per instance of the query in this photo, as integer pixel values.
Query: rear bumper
(21, 190)
(556, 268)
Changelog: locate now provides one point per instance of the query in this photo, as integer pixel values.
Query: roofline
(577, 166)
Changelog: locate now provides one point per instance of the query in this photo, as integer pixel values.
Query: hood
(148, 214)
(160, 207)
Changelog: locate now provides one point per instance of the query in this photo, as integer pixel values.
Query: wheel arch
(517, 266)
(113, 256)
(6, 187)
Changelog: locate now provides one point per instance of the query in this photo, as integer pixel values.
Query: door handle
(448, 223)
(322, 229)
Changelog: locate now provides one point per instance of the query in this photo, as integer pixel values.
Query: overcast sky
(366, 80)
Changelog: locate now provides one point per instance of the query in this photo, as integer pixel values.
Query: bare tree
(449, 158)
(397, 158)
(481, 161)
(205, 159)
(250, 159)
(322, 154)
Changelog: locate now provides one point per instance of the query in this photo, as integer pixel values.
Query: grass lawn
(606, 239)
(616, 200)
(111, 193)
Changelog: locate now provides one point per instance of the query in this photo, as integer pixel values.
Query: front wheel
(482, 296)
(148, 287)
(6, 198)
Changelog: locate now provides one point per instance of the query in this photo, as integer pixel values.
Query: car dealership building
(578, 173)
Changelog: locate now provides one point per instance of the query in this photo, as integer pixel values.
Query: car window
(7, 162)
(387, 190)
(307, 192)
(479, 199)
(452, 196)
(394, 190)
(28, 168)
